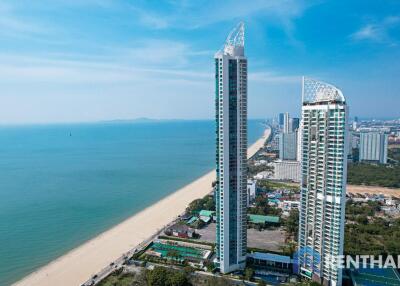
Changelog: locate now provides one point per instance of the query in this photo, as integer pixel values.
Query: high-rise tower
(286, 123)
(323, 181)
(231, 151)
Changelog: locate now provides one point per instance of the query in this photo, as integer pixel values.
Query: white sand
(78, 265)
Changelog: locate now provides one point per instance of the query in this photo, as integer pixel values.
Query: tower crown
(315, 91)
(234, 44)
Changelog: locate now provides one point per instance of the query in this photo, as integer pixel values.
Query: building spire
(234, 44)
(236, 36)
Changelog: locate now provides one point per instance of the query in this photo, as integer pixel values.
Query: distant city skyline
(95, 60)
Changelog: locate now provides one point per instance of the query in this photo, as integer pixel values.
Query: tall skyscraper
(286, 123)
(323, 181)
(294, 124)
(373, 147)
(231, 155)
(288, 146)
(281, 119)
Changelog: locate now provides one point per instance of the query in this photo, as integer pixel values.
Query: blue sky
(76, 60)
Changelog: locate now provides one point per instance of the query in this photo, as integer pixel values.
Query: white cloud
(202, 13)
(377, 31)
(133, 67)
(11, 24)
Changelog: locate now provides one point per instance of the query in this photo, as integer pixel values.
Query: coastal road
(81, 263)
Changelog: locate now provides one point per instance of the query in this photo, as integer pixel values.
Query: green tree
(261, 283)
(248, 273)
(156, 277)
(292, 223)
(161, 276)
(176, 278)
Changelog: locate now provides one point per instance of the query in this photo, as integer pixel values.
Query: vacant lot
(373, 190)
(266, 239)
(369, 190)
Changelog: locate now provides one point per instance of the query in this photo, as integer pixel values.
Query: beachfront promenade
(78, 265)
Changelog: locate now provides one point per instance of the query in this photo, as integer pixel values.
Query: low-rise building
(180, 230)
(270, 262)
(264, 219)
(289, 205)
(207, 216)
(263, 175)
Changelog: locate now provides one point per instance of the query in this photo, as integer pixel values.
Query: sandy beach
(78, 265)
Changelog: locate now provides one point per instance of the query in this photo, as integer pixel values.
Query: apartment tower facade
(374, 147)
(231, 152)
(323, 181)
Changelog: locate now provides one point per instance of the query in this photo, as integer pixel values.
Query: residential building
(231, 152)
(288, 146)
(373, 147)
(286, 123)
(251, 191)
(281, 119)
(323, 181)
(286, 170)
(180, 230)
(294, 124)
(289, 205)
(299, 141)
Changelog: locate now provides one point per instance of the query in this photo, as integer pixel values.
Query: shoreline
(79, 264)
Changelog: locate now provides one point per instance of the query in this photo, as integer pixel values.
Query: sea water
(61, 185)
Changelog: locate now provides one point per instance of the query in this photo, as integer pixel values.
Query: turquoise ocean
(61, 185)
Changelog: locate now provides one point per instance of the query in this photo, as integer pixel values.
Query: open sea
(61, 185)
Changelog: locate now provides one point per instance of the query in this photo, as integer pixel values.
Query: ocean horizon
(63, 184)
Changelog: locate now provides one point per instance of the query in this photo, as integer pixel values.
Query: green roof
(206, 213)
(192, 220)
(263, 218)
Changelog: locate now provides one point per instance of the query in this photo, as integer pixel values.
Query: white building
(299, 141)
(373, 147)
(251, 191)
(289, 205)
(231, 158)
(286, 123)
(286, 170)
(263, 175)
(323, 182)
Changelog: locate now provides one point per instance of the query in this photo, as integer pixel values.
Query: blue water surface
(61, 185)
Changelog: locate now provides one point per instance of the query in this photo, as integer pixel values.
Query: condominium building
(231, 152)
(323, 181)
(373, 147)
(288, 146)
(281, 119)
(286, 170)
(286, 123)
(294, 124)
(251, 191)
